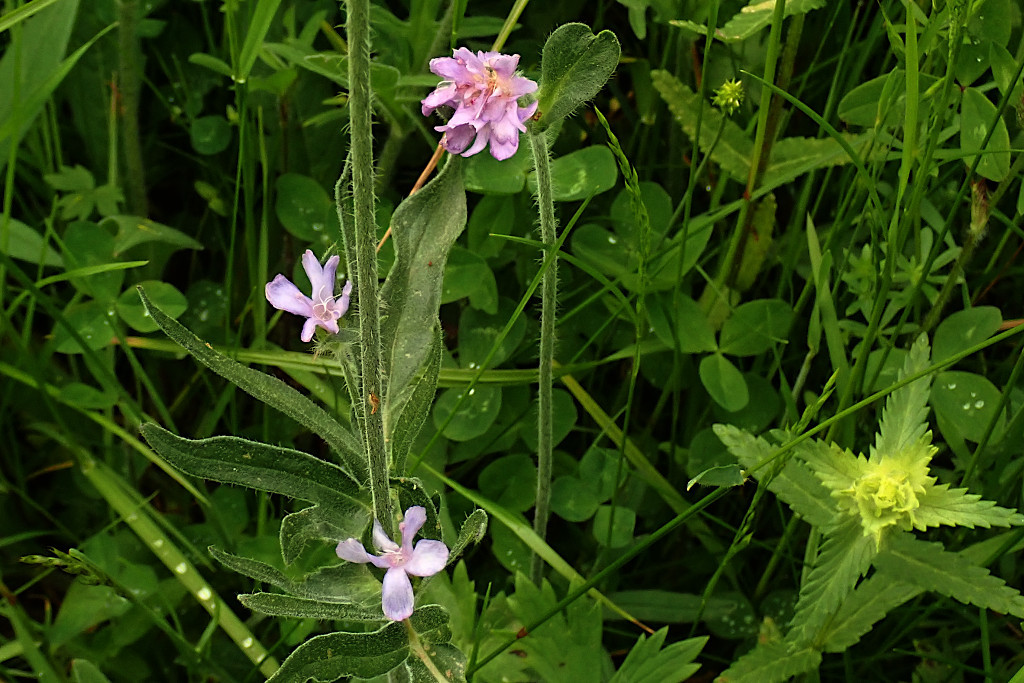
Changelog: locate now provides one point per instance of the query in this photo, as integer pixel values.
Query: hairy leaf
(268, 389)
(575, 65)
(424, 226)
(278, 605)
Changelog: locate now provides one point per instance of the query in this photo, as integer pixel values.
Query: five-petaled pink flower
(426, 559)
(323, 308)
(484, 90)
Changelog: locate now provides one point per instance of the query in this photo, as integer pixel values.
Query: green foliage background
(767, 272)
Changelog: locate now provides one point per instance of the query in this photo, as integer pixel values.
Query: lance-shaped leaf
(260, 466)
(346, 583)
(575, 65)
(365, 655)
(414, 405)
(268, 389)
(328, 525)
(424, 226)
(278, 605)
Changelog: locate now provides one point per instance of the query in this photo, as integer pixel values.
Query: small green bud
(729, 96)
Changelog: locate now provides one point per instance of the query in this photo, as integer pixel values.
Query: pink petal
(330, 273)
(522, 86)
(527, 111)
(428, 558)
(415, 518)
(314, 271)
(285, 296)
(444, 94)
(381, 540)
(458, 138)
(341, 305)
(503, 149)
(396, 596)
(504, 65)
(331, 325)
(353, 551)
(482, 136)
(308, 328)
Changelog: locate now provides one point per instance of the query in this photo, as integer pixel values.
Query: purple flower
(484, 90)
(323, 309)
(426, 559)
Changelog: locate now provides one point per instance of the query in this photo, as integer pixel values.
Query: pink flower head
(426, 559)
(484, 90)
(323, 308)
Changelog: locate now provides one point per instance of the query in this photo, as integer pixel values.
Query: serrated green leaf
(931, 567)
(866, 605)
(844, 557)
(904, 418)
(268, 389)
(575, 65)
(795, 484)
(771, 663)
(647, 662)
(956, 507)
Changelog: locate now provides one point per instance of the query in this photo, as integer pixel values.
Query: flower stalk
(367, 290)
(549, 295)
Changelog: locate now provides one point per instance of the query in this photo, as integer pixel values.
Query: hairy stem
(368, 295)
(549, 294)
(130, 72)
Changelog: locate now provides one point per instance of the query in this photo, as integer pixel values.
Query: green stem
(421, 653)
(549, 296)
(131, 84)
(510, 23)
(767, 122)
(367, 291)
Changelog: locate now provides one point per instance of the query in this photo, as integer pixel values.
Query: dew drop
(967, 406)
(181, 568)
(158, 543)
(204, 593)
(247, 642)
(472, 391)
(612, 240)
(979, 404)
(951, 386)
